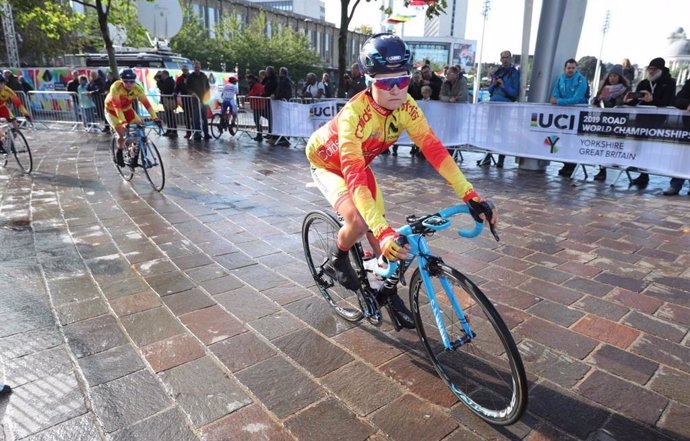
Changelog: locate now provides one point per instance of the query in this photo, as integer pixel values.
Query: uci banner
(650, 138)
(301, 120)
(654, 139)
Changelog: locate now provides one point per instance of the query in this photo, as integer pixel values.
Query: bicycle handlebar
(155, 125)
(386, 269)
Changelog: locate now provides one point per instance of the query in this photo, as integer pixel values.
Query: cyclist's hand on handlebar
(159, 123)
(393, 246)
(484, 210)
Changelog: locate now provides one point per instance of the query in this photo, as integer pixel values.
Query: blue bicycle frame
(419, 249)
(139, 132)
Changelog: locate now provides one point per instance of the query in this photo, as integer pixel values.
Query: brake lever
(494, 232)
(491, 205)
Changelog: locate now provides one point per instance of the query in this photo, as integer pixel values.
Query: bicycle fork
(468, 334)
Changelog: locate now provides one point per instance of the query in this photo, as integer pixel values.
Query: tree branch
(352, 12)
(85, 3)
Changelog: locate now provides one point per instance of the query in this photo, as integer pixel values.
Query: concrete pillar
(560, 26)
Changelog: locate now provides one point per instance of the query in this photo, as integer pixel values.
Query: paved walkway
(190, 315)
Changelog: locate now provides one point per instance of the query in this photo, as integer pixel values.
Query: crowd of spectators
(657, 88)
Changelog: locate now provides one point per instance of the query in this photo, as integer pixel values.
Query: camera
(635, 95)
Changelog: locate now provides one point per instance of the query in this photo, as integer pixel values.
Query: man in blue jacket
(504, 87)
(569, 89)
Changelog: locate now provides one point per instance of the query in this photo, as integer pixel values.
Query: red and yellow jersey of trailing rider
(6, 95)
(362, 130)
(119, 102)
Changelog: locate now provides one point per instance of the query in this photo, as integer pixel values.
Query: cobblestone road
(190, 314)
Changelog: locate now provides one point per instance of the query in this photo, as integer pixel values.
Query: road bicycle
(140, 151)
(464, 336)
(221, 122)
(12, 141)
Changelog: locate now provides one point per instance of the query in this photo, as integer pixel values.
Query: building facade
(451, 24)
(314, 9)
(322, 34)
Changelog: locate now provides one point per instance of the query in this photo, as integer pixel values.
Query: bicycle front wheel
(153, 165)
(21, 151)
(216, 125)
(484, 370)
(126, 172)
(319, 232)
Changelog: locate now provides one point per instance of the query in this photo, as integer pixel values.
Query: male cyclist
(340, 153)
(7, 94)
(119, 111)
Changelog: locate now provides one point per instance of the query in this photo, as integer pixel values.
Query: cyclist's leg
(224, 112)
(334, 188)
(233, 109)
(133, 118)
(118, 126)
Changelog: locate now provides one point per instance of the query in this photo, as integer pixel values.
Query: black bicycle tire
(126, 172)
(151, 145)
(232, 128)
(518, 402)
(20, 135)
(215, 125)
(351, 315)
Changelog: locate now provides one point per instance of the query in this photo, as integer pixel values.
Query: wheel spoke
(319, 232)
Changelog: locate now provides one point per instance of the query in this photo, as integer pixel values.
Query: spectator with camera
(504, 87)
(657, 89)
(569, 89)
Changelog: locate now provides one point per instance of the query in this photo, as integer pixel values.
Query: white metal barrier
(178, 112)
(55, 107)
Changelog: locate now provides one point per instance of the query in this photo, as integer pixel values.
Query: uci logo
(549, 120)
(328, 111)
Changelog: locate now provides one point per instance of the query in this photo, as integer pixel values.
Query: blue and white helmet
(385, 53)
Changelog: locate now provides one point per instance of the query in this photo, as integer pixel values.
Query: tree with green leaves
(105, 10)
(347, 11)
(246, 45)
(45, 28)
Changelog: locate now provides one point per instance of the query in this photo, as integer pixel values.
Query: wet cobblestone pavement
(190, 315)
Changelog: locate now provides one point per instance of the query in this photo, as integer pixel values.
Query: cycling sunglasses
(388, 84)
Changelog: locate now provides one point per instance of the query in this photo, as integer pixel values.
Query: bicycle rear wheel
(152, 164)
(216, 125)
(319, 231)
(126, 172)
(484, 371)
(21, 151)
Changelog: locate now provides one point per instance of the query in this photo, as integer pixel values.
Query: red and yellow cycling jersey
(118, 103)
(7, 94)
(362, 130)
